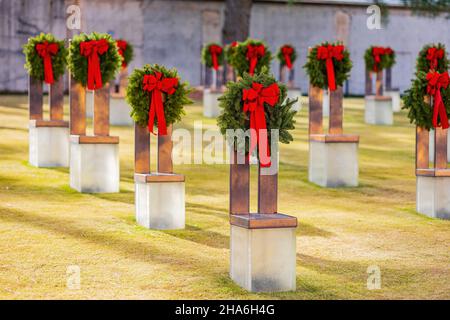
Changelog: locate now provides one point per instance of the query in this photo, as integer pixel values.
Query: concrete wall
(172, 33)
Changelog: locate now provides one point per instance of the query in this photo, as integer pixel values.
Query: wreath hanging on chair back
(287, 55)
(432, 57)
(435, 111)
(379, 58)
(94, 59)
(212, 55)
(259, 103)
(328, 65)
(229, 51)
(157, 97)
(45, 57)
(126, 51)
(251, 56)
(432, 80)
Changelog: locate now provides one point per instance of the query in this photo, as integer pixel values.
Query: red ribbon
(46, 50)
(254, 52)
(287, 52)
(92, 49)
(254, 99)
(377, 52)
(437, 81)
(215, 50)
(433, 54)
(328, 53)
(388, 51)
(156, 85)
(122, 45)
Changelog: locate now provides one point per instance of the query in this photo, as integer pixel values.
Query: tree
(237, 20)
(429, 7)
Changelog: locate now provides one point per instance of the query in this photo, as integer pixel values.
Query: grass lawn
(46, 227)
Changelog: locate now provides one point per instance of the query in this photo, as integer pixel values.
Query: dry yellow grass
(46, 227)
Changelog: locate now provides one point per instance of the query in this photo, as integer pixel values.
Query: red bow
(122, 45)
(388, 51)
(328, 53)
(92, 49)
(433, 54)
(287, 51)
(234, 44)
(254, 100)
(377, 52)
(46, 50)
(156, 85)
(254, 52)
(215, 50)
(436, 81)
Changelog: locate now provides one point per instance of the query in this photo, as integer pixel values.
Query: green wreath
(317, 69)
(423, 64)
(110, 62)
(233, 117)
(239, 60)
(139, 99)
(207, 58)
(420, 112)
(126, 51)
(34, 63)
(280, 55)
(387, 59)
(230, 50)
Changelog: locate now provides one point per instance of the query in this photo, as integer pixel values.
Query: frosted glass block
(94, 168)
(325, 104)
(160, 205)
(294, 94)
(395, 95)
(89, 103)
(433, 196)
(210, 103)
(333, 164)
(431, 146)
(378, 111)
(263, 260)
(119, 112)
(49, 146)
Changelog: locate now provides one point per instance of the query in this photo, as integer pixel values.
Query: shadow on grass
(138, 250)
(124, 196)
(9, 150)
(13, 128)
(218, 212)
(201, 236)
(304, 229)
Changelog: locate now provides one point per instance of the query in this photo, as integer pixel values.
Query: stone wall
(172, 33)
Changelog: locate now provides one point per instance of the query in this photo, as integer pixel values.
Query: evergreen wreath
(232, 116)
(387, 58)
(419, 111)
(34, 63)
(207, 56)
(140, 100)
(423, 64)
(126, 51)
(280, 55)
(317, 69)
(110, 62)
(239, 59)
(230, 50)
